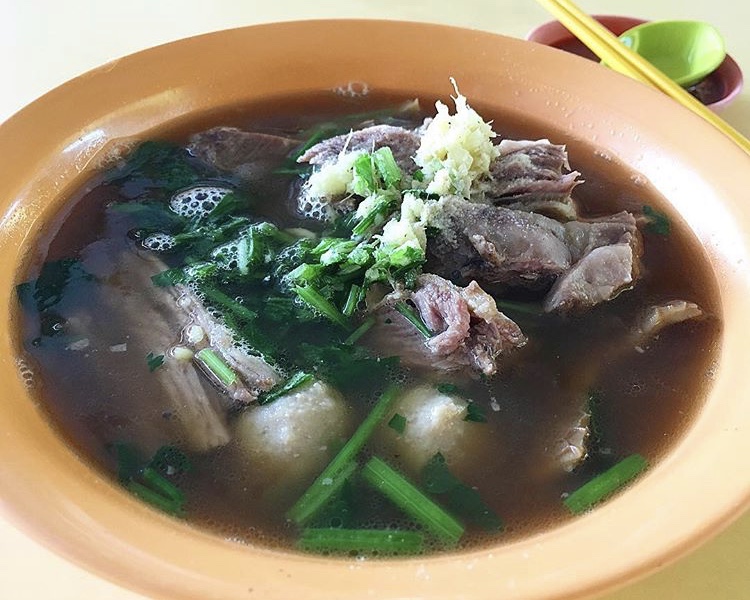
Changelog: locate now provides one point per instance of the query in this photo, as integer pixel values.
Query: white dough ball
(289, 441)
(434, 423)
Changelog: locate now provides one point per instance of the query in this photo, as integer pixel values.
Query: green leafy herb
(150, 481)
(362, 541)
(54, 277)
(475, 413)
(459, 497)
(299, 379)
(170, 460)
(412, 501)
(154, 361)
(605, 484)
(398, 423)
(657, 222)
(449, 389)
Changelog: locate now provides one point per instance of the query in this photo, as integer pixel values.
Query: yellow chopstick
(606, 46)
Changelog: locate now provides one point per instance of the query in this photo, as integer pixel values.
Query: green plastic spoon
(685, 51)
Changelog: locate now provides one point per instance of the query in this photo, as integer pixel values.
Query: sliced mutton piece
(584, 262)
(402, 142)
(467, 328)
(247, 155)
(533, 176)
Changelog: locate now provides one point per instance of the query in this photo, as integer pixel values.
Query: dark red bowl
(716, 91)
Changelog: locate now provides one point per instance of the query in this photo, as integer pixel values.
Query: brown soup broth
(644, 400)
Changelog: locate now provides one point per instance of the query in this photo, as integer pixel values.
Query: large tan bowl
(698, 488)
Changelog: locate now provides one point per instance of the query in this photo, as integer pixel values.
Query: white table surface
(45, 43)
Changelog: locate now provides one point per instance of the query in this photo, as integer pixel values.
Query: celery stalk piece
(365, 541)
(412, 501)
(321, 490)
(606, 483)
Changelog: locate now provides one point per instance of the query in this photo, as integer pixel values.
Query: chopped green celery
(362, 254)
(305, 273)
(382, 207)
(320, 492)
(364, 182)
(475, 413)
(529, 308)
(321, 304)
(447, 388)
(217, 366)
(299, 379)
(402, 256)
(170, 459)
(326, 487)
(462, 499)
(361, 541)
(413, 317)
(360, 331)
(221, 299)
(169, 277)
(412, 501)
(159, 484)
(154, 361)
(352, 300)
(605, 483)
(397, 423)
(657, 222)
(168, 505)
(389, 171)
(244, 252)
(128, 461)
(337, 253)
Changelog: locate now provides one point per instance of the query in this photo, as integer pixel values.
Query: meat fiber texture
(577, 264)
(469, 329)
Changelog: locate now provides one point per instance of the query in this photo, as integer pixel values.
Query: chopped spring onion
(299, 379)
(413, 317)
(360, 331)
(361, 541)
(217, 366)
(605, 484)
(412, 501)
(397, 423)
(322, 490)
(318, 302)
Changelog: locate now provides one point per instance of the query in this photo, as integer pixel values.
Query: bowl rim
(89, 520)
